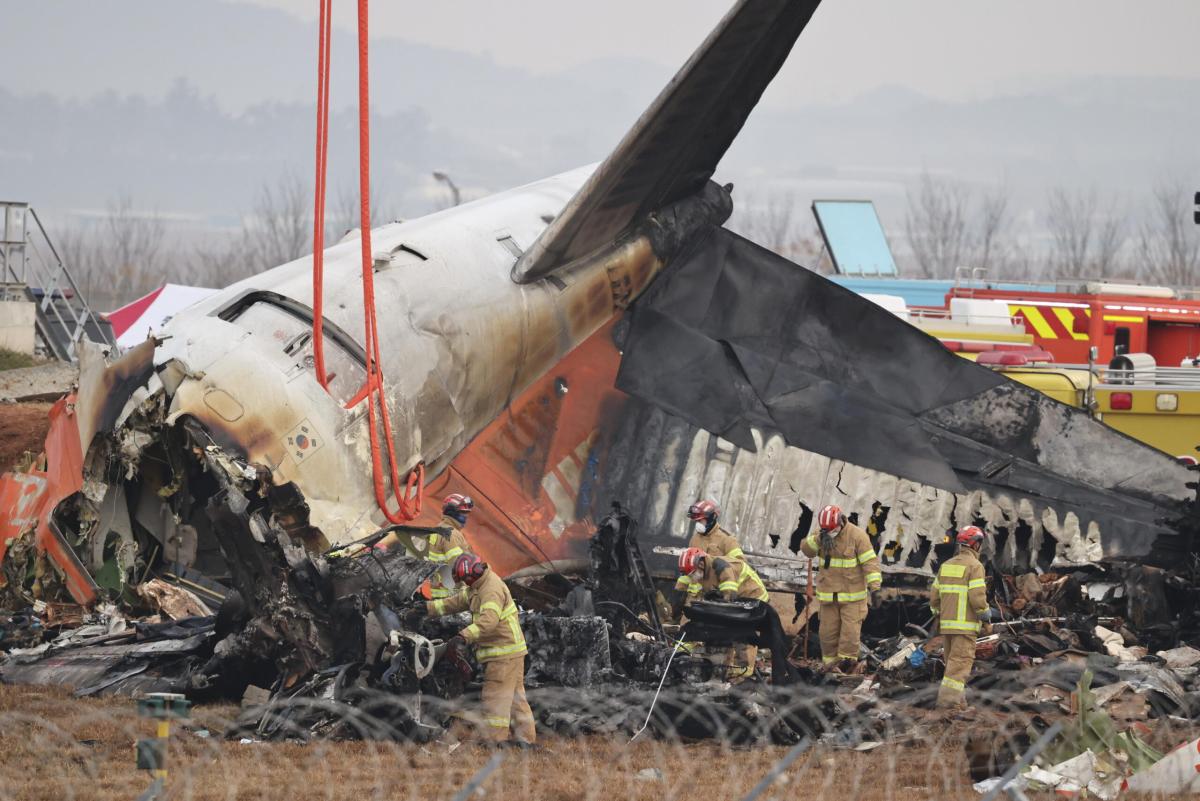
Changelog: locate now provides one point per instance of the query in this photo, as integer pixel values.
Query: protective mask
(701, 527)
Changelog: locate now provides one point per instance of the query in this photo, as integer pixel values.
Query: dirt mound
(23, 428)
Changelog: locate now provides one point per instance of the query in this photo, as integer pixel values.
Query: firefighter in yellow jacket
(847, 571)
(708, 536)
(499, 644)
(959, 599)
(446, 545)
(699, 573)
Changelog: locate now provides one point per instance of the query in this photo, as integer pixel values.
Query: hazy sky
(945, 48)
(190, 106)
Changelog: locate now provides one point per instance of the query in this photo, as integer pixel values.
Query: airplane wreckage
(592, 338)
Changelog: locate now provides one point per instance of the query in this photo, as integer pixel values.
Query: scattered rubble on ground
(313, 646)
(40, 383)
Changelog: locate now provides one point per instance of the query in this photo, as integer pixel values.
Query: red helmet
(468, 568)
(456, 502)
(830, 517)
(689, 560)
(703, 510)
(971, 536)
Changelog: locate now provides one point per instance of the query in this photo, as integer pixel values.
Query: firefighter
(959, 599)
(499, 644)
(847, 572)
(699, 573)
(446, 545)
(708, 536)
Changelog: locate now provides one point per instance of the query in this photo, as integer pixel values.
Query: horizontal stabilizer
(733, 337)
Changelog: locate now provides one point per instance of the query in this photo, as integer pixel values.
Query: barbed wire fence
(714, 740)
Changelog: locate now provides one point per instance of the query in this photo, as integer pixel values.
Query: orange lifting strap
(409, 493)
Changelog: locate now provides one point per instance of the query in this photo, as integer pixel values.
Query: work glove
(876, 599)
(348, 551)
(457, 644)
(986, 616)
(727, 597)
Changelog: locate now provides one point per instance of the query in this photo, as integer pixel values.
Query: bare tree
(345, 216)
(780, 222)
(1168, 242)
(1084, 238)
(1070, 220)
(118, 257)
(771, 220)
(279, 228)
(937, 227)
(1110, 242)
(991, 246)
(135, 245)
(220, 261)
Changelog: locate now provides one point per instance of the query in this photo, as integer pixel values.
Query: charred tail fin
(673, 149)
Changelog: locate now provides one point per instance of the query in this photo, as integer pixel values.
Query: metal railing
(1182, 378)
(927, 314)
(28, 257)
(968, 279)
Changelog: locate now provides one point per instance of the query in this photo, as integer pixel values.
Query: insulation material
(174, 602)
(658, 464)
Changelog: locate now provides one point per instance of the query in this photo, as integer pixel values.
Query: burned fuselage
(490, 323)
(233, 402)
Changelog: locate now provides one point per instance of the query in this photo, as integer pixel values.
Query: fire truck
(1126, 352)
(1067, 318)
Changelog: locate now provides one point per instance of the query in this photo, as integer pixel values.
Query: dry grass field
(53, 746)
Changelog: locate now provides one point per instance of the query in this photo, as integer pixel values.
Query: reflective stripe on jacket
(495, 628)
(725, 576)
(849, 570)
(959, 593)
(717, 542)
(443, 549)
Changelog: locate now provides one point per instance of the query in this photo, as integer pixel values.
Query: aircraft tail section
(673, 149)
(733, 338)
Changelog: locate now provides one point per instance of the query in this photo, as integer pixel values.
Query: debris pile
(320, 644)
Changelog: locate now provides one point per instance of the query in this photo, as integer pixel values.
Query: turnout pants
(959, 651)
(841, 626)
(739, 662)
(504, 703)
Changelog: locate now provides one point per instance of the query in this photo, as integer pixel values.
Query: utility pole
(438, 175)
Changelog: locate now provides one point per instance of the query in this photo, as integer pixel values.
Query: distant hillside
(194, 122)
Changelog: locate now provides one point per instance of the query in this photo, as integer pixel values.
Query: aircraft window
(293, 335)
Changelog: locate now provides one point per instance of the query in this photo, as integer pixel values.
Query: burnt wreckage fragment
(732, 338)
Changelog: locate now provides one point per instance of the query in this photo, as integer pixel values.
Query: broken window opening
(1047, 550)
(803, 525)
(290, 325)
